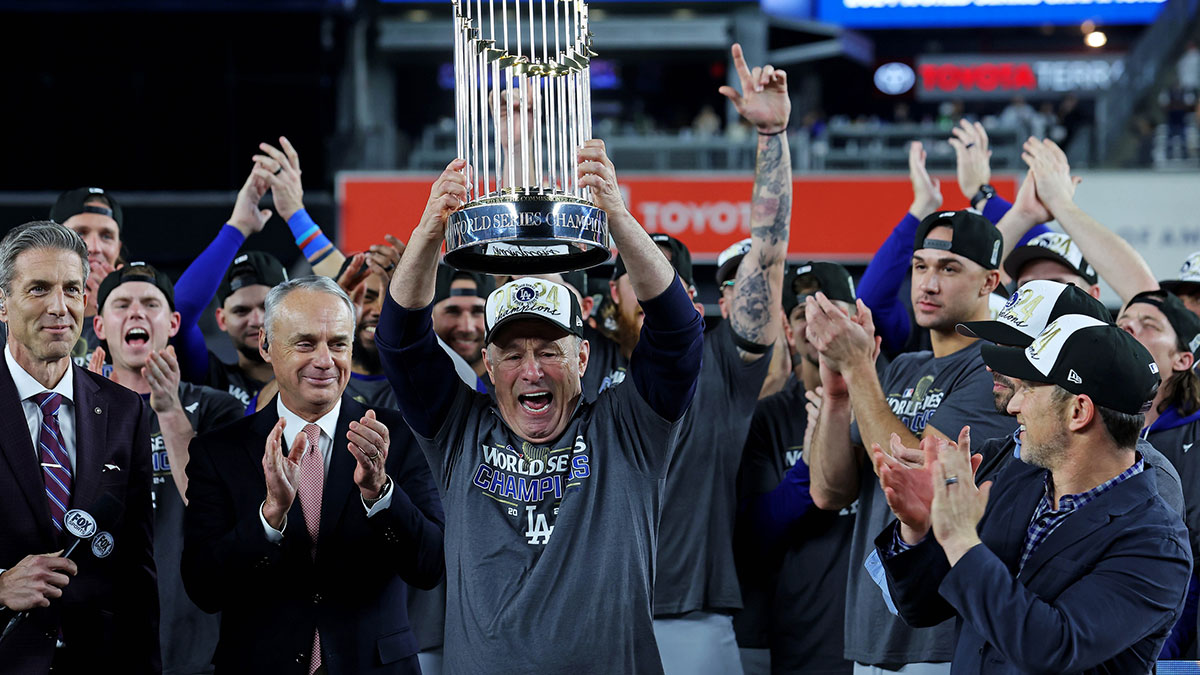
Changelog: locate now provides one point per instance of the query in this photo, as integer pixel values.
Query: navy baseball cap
(249, 269)
(74, 202)
(831, 278)
(974, 237)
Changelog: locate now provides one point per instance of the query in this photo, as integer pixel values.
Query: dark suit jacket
(1099, 595)
(108, 614)
(271, 596)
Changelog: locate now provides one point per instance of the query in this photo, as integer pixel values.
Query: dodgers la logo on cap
(533, 298)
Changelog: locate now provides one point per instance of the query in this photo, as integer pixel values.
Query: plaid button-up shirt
(1046, 519)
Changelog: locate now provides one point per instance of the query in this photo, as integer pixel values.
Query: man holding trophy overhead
(552, 502)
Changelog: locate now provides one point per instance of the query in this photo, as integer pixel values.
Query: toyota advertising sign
(1003, 76)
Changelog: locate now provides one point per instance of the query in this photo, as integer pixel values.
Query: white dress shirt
(28, 387)
(328, 424)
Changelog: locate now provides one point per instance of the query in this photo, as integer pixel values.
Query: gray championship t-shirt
(947, 393)
(550, 549)
(187, 634)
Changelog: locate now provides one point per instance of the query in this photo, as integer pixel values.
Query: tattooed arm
(763, 102)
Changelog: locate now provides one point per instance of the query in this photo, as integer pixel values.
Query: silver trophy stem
(585, 89)
(535, 143)
(461, 138)
(494, 69)
(569, 172)
(552, 146)
(472, 126)
(508, 99)
(524, 119)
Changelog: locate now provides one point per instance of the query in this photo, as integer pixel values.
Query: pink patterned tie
(312, 482)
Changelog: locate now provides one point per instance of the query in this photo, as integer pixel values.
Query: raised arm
(649, 271)
(419, 371)
(1115, 260)
(281, 170)
(665, 365)
(764, 103)
(199, 282)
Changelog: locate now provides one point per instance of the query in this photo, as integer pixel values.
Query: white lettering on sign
(679, 218)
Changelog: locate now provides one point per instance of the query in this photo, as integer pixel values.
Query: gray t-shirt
(550, 549)
(187, 634)
(946, 392)
(373, 391)
(696, 569)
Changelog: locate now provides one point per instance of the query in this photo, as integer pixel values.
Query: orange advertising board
(834, 216)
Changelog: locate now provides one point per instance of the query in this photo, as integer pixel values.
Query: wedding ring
(951, 480)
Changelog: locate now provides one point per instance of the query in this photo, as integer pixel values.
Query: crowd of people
(960, 462)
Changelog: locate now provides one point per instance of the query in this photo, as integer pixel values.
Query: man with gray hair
(70, 440)
(365, 515)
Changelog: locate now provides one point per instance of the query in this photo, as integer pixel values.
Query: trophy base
(520, 233)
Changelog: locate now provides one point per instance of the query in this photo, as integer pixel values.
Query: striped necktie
(56, 466)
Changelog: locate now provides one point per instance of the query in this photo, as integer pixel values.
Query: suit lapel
(1025, 501)
(91, 439)
(16, 445)
(339, 481)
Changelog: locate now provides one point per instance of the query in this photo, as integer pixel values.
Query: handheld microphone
(82, 526)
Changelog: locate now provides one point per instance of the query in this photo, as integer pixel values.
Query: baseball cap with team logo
(1185, 324)
(1027, 312)
(1054, 246)
(1084, 356)
(974, 238)
(1189, 276)
(532, 298)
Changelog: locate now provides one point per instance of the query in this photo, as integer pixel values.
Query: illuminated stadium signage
(955, 13)
(1006, 76)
